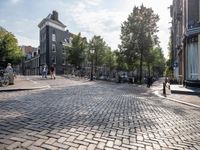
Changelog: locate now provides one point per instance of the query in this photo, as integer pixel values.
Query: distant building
(53, 38)
(30, 64)
(186, 40)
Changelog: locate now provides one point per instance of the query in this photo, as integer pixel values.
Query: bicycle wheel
(5, 81)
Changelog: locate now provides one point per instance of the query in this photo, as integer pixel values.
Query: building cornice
(51, 23)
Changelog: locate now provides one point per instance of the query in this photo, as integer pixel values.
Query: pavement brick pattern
(94, 117)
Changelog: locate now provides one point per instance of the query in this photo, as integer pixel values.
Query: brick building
(186, 40)
(30, 64)
(53, 37)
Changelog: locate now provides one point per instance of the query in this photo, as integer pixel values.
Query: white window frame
(54, 37)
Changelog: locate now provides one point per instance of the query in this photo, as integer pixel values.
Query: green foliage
(80, 51)
(110, 58)
(102, 54)
(169, 68)
(9, 50)
(120, 60)
(99, 46)
(168, 72)
(138, 38)
(77, 51)
(158, 63)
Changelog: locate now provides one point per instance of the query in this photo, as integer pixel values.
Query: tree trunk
(95, 67)
(141, 63)
(149, 70)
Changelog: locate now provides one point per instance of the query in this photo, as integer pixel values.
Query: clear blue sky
(90, 17)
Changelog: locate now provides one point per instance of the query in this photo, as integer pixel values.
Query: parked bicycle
(4, 78)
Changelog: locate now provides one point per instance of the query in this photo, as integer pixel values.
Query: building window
(53, 47)
(63, 61)
(53, 59)
(53, 37)
(44, 36)
(63, 50)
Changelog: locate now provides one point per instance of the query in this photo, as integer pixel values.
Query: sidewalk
(180, 89)
(178, 93)
(23, 83)
(37, 82)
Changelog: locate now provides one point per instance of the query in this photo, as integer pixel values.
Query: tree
(158, 63)
(120, 60)
(77, 51)
(169, 66)
(109, 58)
(137, 35)
(9, 50)
(98, 45)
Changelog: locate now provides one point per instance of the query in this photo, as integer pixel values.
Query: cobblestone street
(96, 115)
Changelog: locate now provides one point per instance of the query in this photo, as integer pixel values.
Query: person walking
(52, 72)
(10, 72)
(9, 68)
(44, 71)
(149, 81)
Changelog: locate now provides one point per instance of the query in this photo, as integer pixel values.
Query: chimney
(55, 15)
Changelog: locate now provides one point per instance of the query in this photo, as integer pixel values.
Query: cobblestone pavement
(96, 115)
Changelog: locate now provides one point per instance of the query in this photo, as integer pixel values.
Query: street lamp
(92, 64)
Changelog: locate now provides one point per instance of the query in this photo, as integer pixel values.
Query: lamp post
(92, 64)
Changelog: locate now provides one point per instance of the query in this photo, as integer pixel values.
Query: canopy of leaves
(9, 50)
(158, 62)
(77, 51)
(138, 39)
(110, 58)
(98, 45)
(140, 23)
(169, 68)
(120, 60)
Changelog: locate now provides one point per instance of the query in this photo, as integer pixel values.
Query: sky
(90, 17)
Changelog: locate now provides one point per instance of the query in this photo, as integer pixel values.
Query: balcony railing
(193, 28)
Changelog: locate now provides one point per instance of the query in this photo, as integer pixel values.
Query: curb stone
(25, 89)
(175, 100)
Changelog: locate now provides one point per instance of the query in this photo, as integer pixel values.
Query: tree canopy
(77, 51)
(98, 45)
(169, 66)
(9, 49)
(103, 55)
(139, 39)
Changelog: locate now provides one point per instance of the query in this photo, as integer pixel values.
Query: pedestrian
(9, 68)
(52, 72)
(10, 72)
(149, 82)
(44, 71)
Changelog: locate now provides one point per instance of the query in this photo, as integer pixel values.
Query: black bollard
(164, 88)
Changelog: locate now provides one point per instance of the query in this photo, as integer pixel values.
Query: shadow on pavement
(109, 109)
